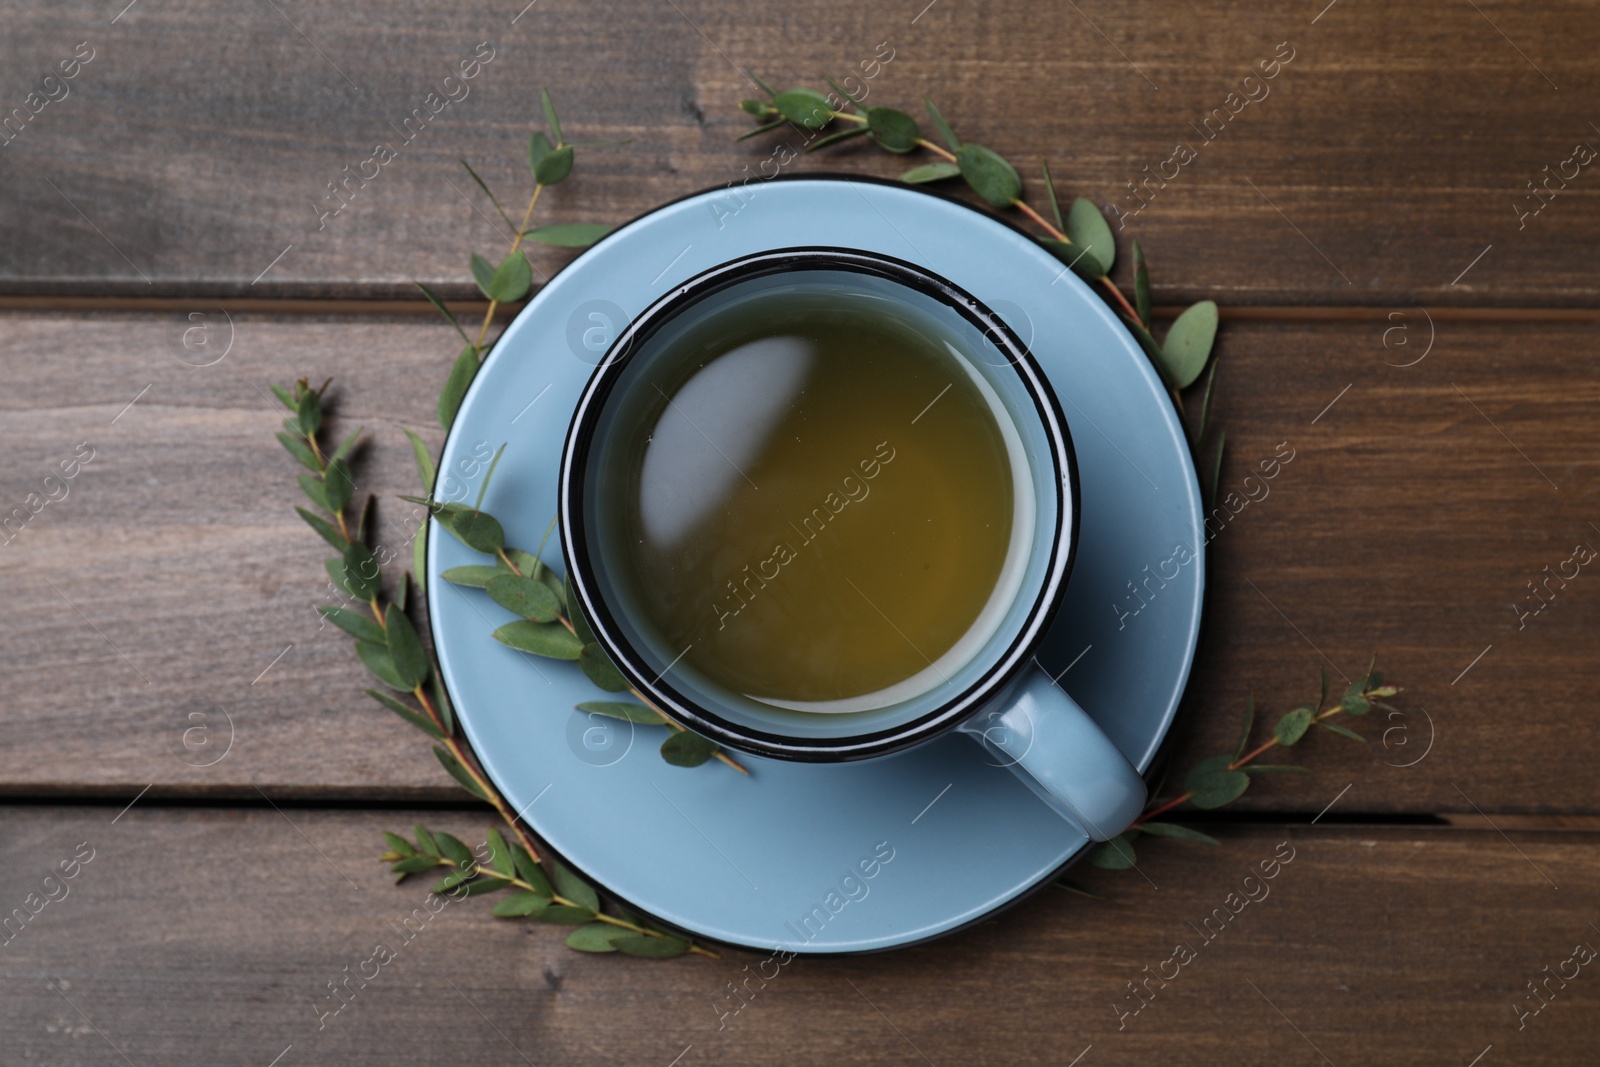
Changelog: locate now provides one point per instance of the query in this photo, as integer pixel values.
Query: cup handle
(1062, 755)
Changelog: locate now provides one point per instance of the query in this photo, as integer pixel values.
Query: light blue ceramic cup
(994, 691)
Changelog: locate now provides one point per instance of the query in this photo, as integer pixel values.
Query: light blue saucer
(779, 858)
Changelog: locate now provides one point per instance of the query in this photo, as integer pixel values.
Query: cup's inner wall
(656, 367)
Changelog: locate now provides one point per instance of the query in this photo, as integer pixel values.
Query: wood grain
(175, 580)
(1384, 164)
(209, 937)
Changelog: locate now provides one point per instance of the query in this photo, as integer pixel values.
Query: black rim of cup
(656, 686)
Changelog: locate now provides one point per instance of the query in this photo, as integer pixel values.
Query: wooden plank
(174, 580)
(1388, 162)
(210, 937)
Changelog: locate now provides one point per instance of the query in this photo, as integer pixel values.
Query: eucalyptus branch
(1220, 780)
(1081, 238)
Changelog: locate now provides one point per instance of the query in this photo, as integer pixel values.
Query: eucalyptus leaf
(499, 856)
(325, 528)
(511, 280)
(456, 851)
(484, 885)
(519, 903)
(312, 486)
(526, 563)
(837, 136)
(755, 108)
(355, 624)
(433, 298)
(893, 130)
(458, 772)
(843, 92)
(1188, 343)
(554, 167)
(1182, 833)
(621, 709)
(1294, 724)
(1141, 288)
(650, 948)
(539, 147)
(564, 915)
(550, 115)
(990, 176)
(1213, 784)
(405, 648)
(594, 937)
(462, 372)
(361, 576)
(347, 444)
(296, 446)
(685, 748)
(1356, 705)
(530, 871)
(1088, 229)
(599, 669)
(486, 191)
(943, 127)
(337, 485)
(483, 274)
(414, 865)
(1114, 855)
(425, 469)
(415, 718)
(399, 844)
(1342, 731)
(572, 888)
(569, 234)
(476, 529)
(451, 880)
(527, 597)
(425, 840)
(1055, 204)
(759, 130)
(804, 107)
(474, 577)
(930, 172)
(548, 639)
(441, 704)
(377, 660)
(284, 396)
(308, 413)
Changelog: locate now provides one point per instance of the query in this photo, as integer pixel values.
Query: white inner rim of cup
(1024, 515)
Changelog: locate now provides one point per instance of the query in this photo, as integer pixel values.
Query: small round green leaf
(594, 937)
(804, 107)
(405, 648)
(1088, 229)
(482, 273)
(930, 172)
(893, 130)
(477, 529)
(1114, 855)
(554, 166)
(685, 748)
(1214, 785)
(989, 174)
(1188, 343)
(548, 639)
(1356, 705)
(527, 597)
(511, 279)
(569, 234)
(1294, 724)
(539, 146)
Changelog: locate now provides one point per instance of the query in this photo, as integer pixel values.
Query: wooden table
(1394, 308)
